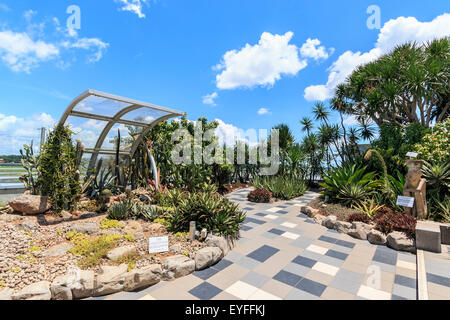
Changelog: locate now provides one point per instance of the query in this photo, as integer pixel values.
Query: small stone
(35, 291)
(224, 244)
(58, 250)
(376, 237)
(118, 253)
(399, 241)
(28, 225)
(176, 248)
(133, 227)
(203, 234)
(360, 230)
(89, 228)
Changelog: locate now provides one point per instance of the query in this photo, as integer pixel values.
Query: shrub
(284, 188)
(259, 196)
(120, 211)
(368, 208)
(398, 221)
(213, 212)
(169, 198)
(350, 184)
(359, 217)
(434, 146)
(110, 224)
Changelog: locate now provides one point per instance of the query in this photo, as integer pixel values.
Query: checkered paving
(285, 255)
(437, 272)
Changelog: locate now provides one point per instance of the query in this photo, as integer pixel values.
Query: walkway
(285, 255)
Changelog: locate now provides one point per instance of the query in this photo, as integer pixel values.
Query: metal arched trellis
(102, 112)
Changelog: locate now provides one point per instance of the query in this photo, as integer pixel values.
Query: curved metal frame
(117, 118)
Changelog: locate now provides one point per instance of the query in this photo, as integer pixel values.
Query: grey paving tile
(297, 269)
(287, 278)
(405, 292)
(297, 294)
(337, 254)
(257, 221)
(255, 279)
(304, 261)
(346, 244)
(223, 264)
(205, 291)
(311, 255)
(383, 266)
(388, 257)
(332, 261)
(206, 273)
(263, 253)
(246, 227)
(248, 263)
(405, 281)
(328, 239)
(302, 242)
(347, 281)
(270, 235)
(312, 287)
(233, 256)
(277, 231)
(438, 268)
(437, 279)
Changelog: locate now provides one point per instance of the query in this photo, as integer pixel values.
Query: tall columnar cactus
(30, 164)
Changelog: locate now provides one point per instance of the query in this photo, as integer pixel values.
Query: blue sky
(175, 53)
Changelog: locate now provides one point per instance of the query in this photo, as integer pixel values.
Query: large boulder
(220, 242)
(60, 288)
(117, 253)
(6, 294)
(177, 266)
(36, 291)
(83, 284)
(399, 241)
(207, 257)
(110, 280)
(342, 226)
(376, 237)
(89, 228)
(329, 222)
(28, 204)
(360, 230)
(142, 278)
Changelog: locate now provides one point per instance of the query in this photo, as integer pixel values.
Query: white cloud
(312, 49)
(134, 6)
(351, 121)
(263, 111)
(209, 98)
(393, 33)
(24, 51)
(16, 131)
(261, 64)
(20, 53)
(229, 134)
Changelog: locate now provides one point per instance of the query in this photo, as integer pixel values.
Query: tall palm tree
(307, 125)
(321, 112)
(366, 130)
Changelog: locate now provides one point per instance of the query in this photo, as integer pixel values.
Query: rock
(133, 227)
(376, 237)
(400, 242)
(35, 291)
(145, 198)
(224, 244)
(117, 253)
(88, 228)
(142, 278)
(207, 257)
(58, 250)
(110, 280)
(360, 230)
(28, 225)
(319, 219)
(342, 226)
(177, 266)
(203, 235)
(28, 204)
(175, 248)
(10, 217)
(82, 284)
(156, 228)
(309, 211)
(60, 288)
(6, 294)
(329, 222)
(66, 215)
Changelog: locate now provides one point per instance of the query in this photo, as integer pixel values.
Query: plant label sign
(405, 202)
(158, 244)
(412, 154)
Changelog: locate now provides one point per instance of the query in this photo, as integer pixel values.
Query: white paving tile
(241, 290)
(317, 249)
(274, 209)
(326, 268)
(263, 295)
(290, 235)
(271, 217)
(373, 294)
(406, 265)
(289, 225)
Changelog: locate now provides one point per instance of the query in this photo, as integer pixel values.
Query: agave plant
(121, 210)
(437, 175)
(350, 184)
(105, 181)
(369, 208)
(284, 188)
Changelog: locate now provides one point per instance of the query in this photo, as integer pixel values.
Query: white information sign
(158, 244)
(405, 202)
(412, 154)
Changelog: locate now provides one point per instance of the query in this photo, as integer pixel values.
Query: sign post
(405, 202)
(158, 245)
